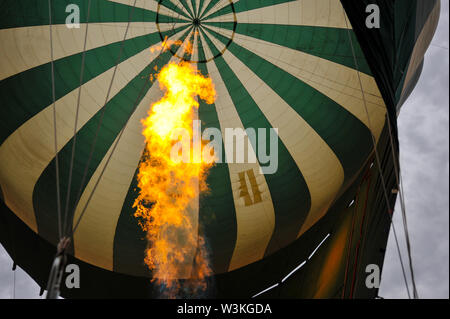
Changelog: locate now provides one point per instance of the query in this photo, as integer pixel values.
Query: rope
(103, 111)
(76, 116)
(377, 156)
(107, 162)
(399, 181)
(110, 155)
(114, 146)
(58, 193)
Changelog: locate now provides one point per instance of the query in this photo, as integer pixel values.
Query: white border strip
(296, 268)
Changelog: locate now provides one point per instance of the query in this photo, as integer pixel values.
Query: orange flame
(167, 43)
(168, 189)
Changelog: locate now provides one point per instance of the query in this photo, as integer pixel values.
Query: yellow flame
(168, 189)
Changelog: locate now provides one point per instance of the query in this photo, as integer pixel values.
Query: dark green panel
(116, 113)
(405, 38)
(27, 93)
(168, 4)
(25, 13)
(194, 7)
(200, 8)
(246, 5)
(186, 6)
(388, 49)
(347, 136)
(130, 240)
(332, 44)
(288, 189)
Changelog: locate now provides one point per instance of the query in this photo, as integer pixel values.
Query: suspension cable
(110, 155)
(76, 116)
(98, 127)
(377, 156)
(14, 281)
(399, 181)
(103, 112)
(108, 160)
(58, 196)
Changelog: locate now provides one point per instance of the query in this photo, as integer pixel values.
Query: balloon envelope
(309, 69)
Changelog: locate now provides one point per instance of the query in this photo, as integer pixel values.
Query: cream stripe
(28, 47)
(185, 10)
(190, 6)
(197, 6)
(319, 13)
(205, 5)
(181, 7)
(151, 5)
(223, 32)
(94, 238)
(336, 81)
(183, 49)
(255, 223)
(218, 6)
(25, 154)
(195, 47)
(318, 164)
(218, 44)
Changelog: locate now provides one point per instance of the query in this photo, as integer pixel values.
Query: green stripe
(168, 4)
(188, 55)
(186, 6)
(345, 134)
(200, 8)
(194, 7)
(117, 111)
(25, 13)
(332, 44)
(130, 240)
(217, 215)
(208, 7)
(246, 5)
(27, 93)
(288, 189)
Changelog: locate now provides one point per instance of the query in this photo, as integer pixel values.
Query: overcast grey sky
(424, 156)
(424, 146)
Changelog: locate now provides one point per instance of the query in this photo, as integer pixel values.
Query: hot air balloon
(331, 84)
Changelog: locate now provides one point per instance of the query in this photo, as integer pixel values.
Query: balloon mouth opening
(197, 30)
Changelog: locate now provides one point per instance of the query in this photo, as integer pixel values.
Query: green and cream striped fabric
(284, 64)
